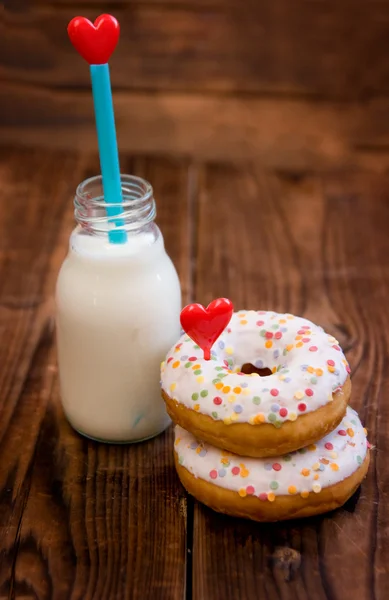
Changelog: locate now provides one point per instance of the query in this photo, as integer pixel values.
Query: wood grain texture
(105, 5)
(78, 519)
(32, 209)
(296, 86)
(306, 248)
(86, 521)
(330, 49)
(290, 135)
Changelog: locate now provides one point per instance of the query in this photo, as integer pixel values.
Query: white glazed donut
(312, 480)
(303, 399)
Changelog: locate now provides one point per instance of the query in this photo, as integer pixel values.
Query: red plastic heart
(94, 41)
(204, 325)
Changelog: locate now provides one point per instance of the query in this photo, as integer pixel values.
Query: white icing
(307, 363)
(310, 469)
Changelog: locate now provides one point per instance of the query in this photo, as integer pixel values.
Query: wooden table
(84, 520)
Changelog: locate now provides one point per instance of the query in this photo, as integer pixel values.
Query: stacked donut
(263, 429)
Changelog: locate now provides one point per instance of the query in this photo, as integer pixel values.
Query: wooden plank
(81, 519)
(112, 5)
(33, 189)
(304, 246)
(305, 48)
(29, 225)
(280, 134)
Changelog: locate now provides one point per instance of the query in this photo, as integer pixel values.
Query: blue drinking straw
(108, 148)
(96, 42)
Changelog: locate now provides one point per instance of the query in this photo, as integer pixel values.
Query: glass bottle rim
(142, 191)
(137, 209)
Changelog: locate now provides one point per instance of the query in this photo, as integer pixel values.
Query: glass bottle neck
(135, 213)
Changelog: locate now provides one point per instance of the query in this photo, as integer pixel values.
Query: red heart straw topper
(204, 325)
(94, 41)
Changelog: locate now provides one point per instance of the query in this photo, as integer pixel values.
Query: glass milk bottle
(118, 308)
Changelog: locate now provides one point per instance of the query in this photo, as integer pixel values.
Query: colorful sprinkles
(307, 366)
(305, 471)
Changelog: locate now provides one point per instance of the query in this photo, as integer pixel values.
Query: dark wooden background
(295, 84)
(81, 520)
(264, 128)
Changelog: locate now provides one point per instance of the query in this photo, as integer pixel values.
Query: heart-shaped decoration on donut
(204, 325)
(94, 41)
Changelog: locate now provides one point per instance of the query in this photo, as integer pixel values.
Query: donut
(312, 480)
(303, 396)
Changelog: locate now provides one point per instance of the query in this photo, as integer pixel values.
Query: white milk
(118, 311)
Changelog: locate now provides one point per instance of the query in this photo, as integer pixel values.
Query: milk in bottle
(118, 309)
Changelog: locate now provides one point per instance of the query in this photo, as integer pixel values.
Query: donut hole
(248, 369)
